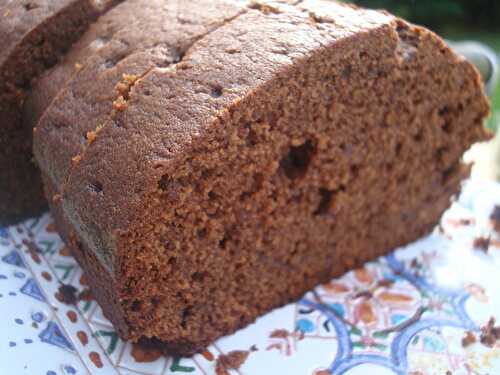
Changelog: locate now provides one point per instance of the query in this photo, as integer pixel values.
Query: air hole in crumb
(447, 127)
(172, 261)
(444, 110)
(118, 122)
(216, 91)
(136, 306)
(418, 137)
(397, 148)
(108, 64)
(163, 183)
(444, 114)
(29, 5)
(296, 162)
(201, 233)
(354, 170)
(199, 276)
(178, 57)
(223, 242)
(346, 72)
(258, 181)
(325, 201)
(441, 153)
(212, 195)
(252, 137)
(96, 187)
(449, 173)
(245, 195)
(240, 279)
(185, 315)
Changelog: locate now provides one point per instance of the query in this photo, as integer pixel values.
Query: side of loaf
(212, 161)
(35, 35)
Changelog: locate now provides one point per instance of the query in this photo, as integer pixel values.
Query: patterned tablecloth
(404, 313)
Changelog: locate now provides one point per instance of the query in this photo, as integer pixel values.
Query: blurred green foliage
(441, 14)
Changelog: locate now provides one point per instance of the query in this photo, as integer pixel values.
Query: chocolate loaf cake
(211, 161)
(34, 35)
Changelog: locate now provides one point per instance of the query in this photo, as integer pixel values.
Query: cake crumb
(264, 8)
(120, 104)
(495, 218)
(130, 78)
(92, 134)
(230, 361)
(279, 333)
(66, 294)
(78, 67)
(490, 334)
(481, 243)
(123, 87)
(468, 339)
(76, 159)
(56, 198)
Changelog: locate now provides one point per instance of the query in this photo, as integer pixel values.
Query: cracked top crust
(190, 65)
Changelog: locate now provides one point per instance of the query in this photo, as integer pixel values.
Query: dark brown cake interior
(331, 164)
(239, 176)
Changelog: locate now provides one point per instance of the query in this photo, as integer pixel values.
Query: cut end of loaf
(347, 154)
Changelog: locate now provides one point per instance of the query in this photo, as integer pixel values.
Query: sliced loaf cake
(34, 34)
(211, 161)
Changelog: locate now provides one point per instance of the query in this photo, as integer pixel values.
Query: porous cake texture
(212, 160)
(34, 35)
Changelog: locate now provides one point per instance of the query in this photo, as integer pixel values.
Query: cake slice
(215, 160)
(34, 35)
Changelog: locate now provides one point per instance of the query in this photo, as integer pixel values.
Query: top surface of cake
(189, 53)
